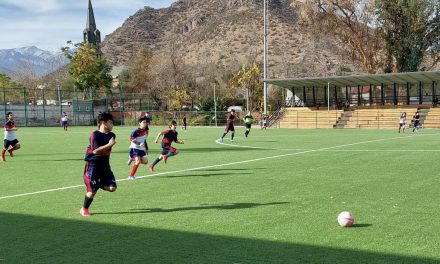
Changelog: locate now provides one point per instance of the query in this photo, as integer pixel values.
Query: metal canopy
(362, 80)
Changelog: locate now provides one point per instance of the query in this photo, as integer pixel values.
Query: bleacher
(304, 117)
(376, 118)
(386, 117)
(432, 119)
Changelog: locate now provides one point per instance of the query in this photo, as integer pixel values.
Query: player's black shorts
(229, 127)
(248, 126)
(167, 148)
(97, 176)
(12, 143)
(137, 153)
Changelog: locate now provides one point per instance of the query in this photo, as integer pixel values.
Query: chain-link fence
(44, 107)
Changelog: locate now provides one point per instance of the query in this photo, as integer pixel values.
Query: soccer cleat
(10, 153)
(84, 212)
(151, 168)
(232, 140)
(165, 157)
(132, 178)
(129, 161)
(221, 139)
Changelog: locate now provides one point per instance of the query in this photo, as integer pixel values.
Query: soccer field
(271, 198)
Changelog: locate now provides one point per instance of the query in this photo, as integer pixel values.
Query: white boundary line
(215, 166)
(252, 147)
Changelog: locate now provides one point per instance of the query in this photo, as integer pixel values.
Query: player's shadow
(54, 160)
(361, 225)
(231, 206)
(238, 169)
(197, 150)
(204, 175)
(49, 154)
(222, 149)
(27, 238)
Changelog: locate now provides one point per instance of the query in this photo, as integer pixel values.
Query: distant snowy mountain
(30, 59)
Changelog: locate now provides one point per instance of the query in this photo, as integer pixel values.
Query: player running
(229, 126)
(402, 122)
(416, 119)
(248, 120)
(138, 146)
(10, 140)
(169, 136)
(97, 172)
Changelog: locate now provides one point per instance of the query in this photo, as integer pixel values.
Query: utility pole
(265, 56)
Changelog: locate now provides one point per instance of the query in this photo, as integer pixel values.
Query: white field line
(214, 166)
(285, 149)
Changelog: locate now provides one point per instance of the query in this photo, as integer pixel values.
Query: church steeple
(91, 33)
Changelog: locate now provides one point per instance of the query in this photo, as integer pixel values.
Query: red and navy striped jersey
(98, 139)
(169, 136)
(9, 135)
(231, 119)
(139, 136)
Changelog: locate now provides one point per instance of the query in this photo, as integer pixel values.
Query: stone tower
(91, 33)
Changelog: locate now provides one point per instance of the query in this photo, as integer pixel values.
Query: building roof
(362, 80)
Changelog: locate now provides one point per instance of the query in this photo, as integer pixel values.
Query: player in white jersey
(64, 121)
(402, 122)
(10, 140)
(138, 146)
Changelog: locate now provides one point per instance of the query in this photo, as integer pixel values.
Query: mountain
(229, 32)
(30, 59)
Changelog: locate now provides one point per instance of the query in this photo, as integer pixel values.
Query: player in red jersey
(229, 126)
(10, 139)
(169, 136)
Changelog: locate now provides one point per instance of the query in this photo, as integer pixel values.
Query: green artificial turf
(271, 198)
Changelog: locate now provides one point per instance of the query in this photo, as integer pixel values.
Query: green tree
(90, 73)
(7, 83)
(248, 77)
(180, 98)
(411, 29)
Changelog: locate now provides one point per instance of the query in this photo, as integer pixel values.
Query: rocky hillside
(229, 32)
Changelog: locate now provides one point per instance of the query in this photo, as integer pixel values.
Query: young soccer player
(229, 126)
(169, 136)
(97, 172)
(184, 122)
(64, 121)
(402, 122)
(248, 120)
(264, 123)
(138, 146)
(416, 119)
(10, 140)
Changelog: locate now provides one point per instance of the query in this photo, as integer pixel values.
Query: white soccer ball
(345, 219)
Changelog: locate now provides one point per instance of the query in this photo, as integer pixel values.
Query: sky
(49, 24)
